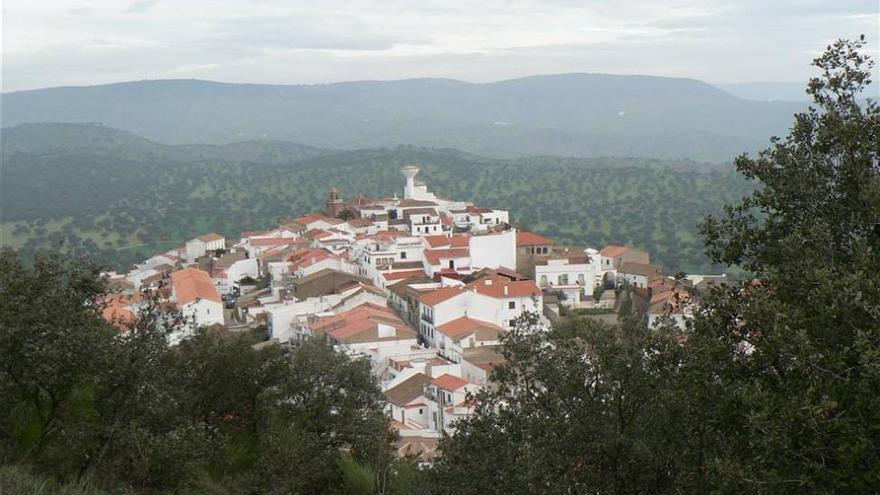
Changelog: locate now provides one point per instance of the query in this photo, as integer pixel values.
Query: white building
(198, 247)
(197, 299)
(492, 299)
(574, 273)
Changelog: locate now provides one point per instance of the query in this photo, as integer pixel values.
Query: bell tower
(333, 207)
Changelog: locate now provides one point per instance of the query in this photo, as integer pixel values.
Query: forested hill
(61, 138)
(570, 114)
(111, 193)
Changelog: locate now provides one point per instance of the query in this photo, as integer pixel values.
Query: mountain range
(586, 115)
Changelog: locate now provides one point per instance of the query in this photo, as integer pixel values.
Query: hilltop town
(421, 286)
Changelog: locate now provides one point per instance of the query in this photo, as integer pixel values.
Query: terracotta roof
(530, 239)
(460, 240)
(272, 241)
(439, 241)
(442, 294)
(502, 287)
(406, 203)
(252, 233)
(435, 255)
(436, 241)
(317, 234)
(643, 269)
(116, 311)
(404, 274)
(449, 382)
(408, 390)
(364, 318)
(420, 211)
(191, 284)
(360, 222)
(210, 237)
(612, 251)
(485, 357)
(465, 325)
(305, 220)
(406, 265)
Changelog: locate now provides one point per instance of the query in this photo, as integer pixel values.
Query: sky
(83, 42)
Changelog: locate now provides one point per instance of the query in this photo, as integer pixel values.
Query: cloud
(140, 6)
(299, 41)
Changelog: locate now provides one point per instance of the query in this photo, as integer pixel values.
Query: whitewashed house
(197, 298)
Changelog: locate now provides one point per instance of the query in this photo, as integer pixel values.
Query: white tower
(410, 172)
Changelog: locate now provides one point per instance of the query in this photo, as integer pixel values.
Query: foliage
(772, 389)
(576, 411)
(90, 405)
(795, 357)
(124, 203)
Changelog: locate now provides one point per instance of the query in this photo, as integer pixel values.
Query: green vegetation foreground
(775, 387)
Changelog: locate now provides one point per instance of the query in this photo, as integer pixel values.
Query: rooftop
(191, 284)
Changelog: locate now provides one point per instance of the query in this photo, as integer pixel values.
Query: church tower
(334, 203)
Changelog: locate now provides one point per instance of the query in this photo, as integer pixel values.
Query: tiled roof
(191, 284)
(210, 237)
(449, 382)
(272, 241)
(404, 274)
(502, 287)
(485, 357)
(465, 325)
(407, 203)
(643, 269)
(530, 239)
(305, 220)
(442, 294)
(408, 390)
(612, 251)
(434, 256)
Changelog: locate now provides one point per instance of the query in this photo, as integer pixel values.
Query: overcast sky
(64, 42)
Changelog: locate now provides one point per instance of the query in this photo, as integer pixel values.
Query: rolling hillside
(570, 115)
(107, 192)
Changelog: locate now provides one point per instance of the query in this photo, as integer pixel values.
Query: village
(421, 286)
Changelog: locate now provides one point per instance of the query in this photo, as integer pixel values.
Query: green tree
(578, 410)
(790, 364)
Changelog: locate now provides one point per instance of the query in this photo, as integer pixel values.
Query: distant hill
(59, 138)
(768, 91)
(570, 114)
(121, 197)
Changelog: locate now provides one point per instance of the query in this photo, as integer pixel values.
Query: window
(403, 255)
(543, 279)
(563, 279)
(512, 323)
(511, 305)
(581, 279)
(421, 411)
(452, 264)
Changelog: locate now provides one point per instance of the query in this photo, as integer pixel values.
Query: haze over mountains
(571, 114)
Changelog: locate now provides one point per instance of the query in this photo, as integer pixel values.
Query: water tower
(409, 172)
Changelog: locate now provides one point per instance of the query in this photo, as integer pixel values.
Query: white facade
(202, 313)
(576, 280)
(493, 250)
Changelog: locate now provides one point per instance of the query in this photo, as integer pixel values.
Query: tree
(346, 214)
(578, 410)
(773, 388)
(789, 364)
(91, 404)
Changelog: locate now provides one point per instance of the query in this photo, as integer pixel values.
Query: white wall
(203, 312)
(493, 250)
